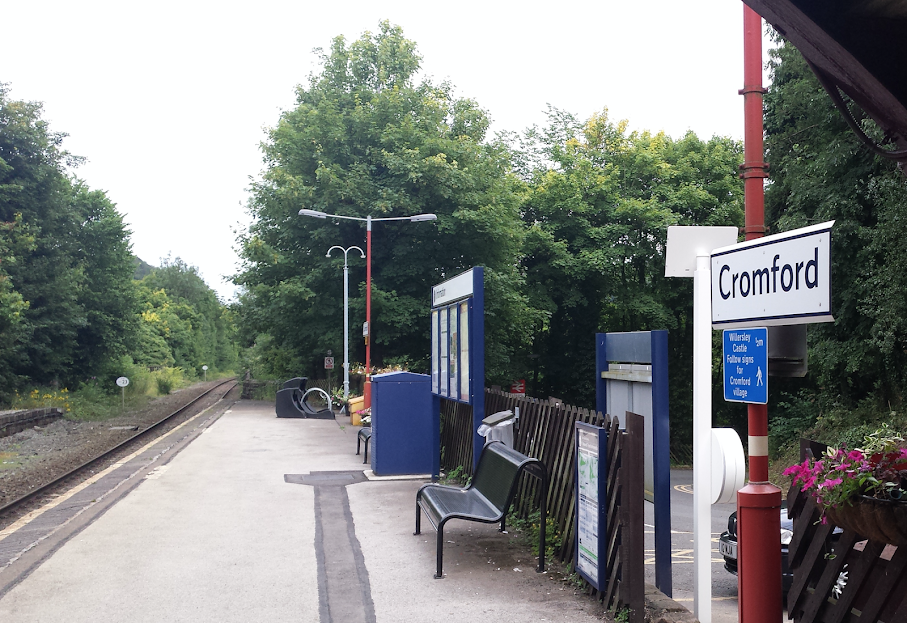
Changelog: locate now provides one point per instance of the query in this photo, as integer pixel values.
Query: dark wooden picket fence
(875, 585)
(546, 432)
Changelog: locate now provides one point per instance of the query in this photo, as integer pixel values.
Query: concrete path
(267, 519)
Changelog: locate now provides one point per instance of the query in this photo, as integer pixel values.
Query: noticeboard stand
(631, 374)
(591, 530)
(458, 346)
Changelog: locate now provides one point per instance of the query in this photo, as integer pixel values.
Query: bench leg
(358, 444)
(439, 575)
(503, 523)
(365, 460)
(418, 519)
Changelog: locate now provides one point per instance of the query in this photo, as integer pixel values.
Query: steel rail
(34, 493)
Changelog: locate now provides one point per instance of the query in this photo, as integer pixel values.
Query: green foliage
(367, 138)
(529, 528)
(67, 302)
(820, 171)
(164, 385)
(183, 323)
(599, 202)
(457, 476)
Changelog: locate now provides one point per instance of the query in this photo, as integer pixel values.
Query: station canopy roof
(857, 46)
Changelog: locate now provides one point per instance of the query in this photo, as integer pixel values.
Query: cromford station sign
(776, 280)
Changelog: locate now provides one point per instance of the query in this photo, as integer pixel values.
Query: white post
(346, 329)
(702, 441)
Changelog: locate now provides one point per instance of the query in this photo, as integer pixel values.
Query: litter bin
(498, 427)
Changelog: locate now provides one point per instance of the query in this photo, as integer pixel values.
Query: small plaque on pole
(328, 363)
(745, 360)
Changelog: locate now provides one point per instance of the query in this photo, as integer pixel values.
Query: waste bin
(498, 427)
(405, 425)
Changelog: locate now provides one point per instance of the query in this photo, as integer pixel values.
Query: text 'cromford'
(768, 279)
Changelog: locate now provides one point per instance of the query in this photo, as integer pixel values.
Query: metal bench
(364, 434)
(487, 499)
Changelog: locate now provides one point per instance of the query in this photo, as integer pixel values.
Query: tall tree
(819, 172)
(66, 264)
(109, 297)
(182, 312)
(367, 138)
(600, 201)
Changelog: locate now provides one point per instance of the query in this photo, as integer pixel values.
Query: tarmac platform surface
(248, 517)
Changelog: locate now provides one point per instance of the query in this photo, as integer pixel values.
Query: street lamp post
(367, 390)
(346, 316)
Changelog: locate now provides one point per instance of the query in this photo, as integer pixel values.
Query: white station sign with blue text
(776, 280)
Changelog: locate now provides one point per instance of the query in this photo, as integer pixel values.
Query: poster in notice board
(590, 497)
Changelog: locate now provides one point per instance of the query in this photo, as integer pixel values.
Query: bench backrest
(496, 473)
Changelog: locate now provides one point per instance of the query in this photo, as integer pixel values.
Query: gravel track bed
(38, 455)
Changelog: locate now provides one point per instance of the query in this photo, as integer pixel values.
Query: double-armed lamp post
(346, 315)
(367, 390)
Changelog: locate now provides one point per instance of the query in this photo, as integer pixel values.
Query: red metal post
(367, 387)
(759, 502)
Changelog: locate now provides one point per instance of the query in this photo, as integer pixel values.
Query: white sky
(168, 100)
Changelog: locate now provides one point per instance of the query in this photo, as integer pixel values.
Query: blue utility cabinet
(406, 425)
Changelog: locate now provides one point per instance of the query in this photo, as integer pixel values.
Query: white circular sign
(122, 381)
(204, 367)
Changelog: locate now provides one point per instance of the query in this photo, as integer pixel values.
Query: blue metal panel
(477, 357)
(661, 442)
(601, 365)
(405, 425)
(634, 347)
(646, 347)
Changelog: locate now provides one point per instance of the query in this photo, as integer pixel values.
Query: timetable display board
(458, 344)
(591, 520)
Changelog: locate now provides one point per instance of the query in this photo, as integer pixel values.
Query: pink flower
(855, 455)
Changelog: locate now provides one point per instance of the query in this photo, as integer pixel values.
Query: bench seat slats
(449, 503)
(486, 499)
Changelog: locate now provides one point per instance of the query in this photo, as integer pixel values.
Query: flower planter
(878, 520)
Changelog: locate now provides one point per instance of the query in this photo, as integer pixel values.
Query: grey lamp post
(346, 316)
(367, 389)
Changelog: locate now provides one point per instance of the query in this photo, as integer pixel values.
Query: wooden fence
(841, 578)
(546, 432)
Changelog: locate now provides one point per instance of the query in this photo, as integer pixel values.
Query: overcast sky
(168, 101)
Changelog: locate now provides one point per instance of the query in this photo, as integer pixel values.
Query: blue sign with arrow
(745, 360)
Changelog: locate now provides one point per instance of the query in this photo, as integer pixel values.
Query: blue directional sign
(745, 360)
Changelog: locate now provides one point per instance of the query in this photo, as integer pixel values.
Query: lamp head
(314, 213)
(423, 217)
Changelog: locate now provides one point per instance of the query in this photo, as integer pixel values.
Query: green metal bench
(487, 499)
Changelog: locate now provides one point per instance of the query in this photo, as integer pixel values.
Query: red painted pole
(759, 502)
(367, 387)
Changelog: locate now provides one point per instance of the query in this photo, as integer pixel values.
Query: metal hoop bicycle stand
(291, 403)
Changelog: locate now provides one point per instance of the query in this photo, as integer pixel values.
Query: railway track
(81, 472)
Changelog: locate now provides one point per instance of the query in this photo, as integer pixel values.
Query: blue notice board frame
(591, 517)
(644, 348)
(458, 345)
